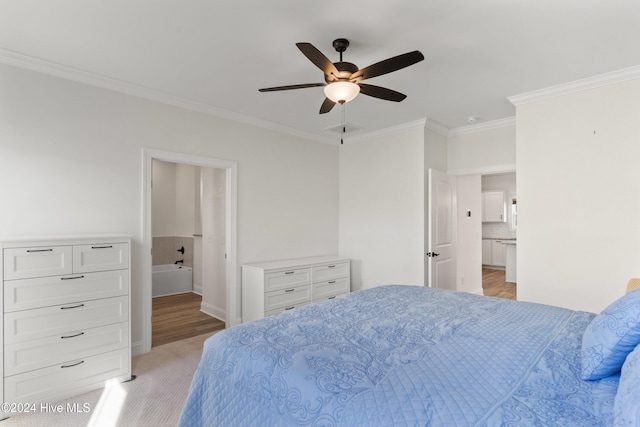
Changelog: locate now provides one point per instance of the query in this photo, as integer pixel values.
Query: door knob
(432, 254)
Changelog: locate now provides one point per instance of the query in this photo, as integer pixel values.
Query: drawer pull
(333, 297)
(72, 278)
(331, 282)
(102, 247)
(289, 290)
(289, 308)
(39, 250)
(72, 336)
(288, 272)
(331, 266)
(73, 364)
(73, 306)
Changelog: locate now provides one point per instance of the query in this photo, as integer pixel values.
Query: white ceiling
(218, 53)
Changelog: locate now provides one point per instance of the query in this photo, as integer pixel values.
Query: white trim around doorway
(231, 168)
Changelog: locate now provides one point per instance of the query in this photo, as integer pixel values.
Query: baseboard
(137, 348)
(493, 267)
(213, 311)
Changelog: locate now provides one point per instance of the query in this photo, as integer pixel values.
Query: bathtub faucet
(179, 261)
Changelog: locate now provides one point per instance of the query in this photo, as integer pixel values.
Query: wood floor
(177, 317)
(493, 284)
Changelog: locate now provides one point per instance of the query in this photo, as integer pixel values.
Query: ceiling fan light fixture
(341, 92)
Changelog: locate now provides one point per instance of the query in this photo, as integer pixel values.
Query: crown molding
(416, 124)
(593, 82)
(480, 127)
(405, 127)
(437, 127)
(73, 74)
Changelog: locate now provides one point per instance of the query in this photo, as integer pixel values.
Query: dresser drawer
(63, 319)
(76, 376)
(35, 354)
(100, 257)
(46, 291)
(21, 263)
(330, 297)
(323, 273)
(287, 297)
(282, 310)
(287, 279)
(330, 288)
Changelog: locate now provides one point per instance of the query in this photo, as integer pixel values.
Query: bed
(407, 355)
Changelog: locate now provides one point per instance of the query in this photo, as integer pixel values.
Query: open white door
(440, 259)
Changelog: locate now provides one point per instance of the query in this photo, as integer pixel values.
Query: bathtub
(171, 279)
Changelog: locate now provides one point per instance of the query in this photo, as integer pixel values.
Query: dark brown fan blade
(388, 65)
(302, 86)
(381, 92)
(318, 58)
(326, 106)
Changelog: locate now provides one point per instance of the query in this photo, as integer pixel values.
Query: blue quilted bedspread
(401, 356)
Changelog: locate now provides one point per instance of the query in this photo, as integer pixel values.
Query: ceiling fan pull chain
(344, 125)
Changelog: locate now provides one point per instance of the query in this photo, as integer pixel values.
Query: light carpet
(155, 398)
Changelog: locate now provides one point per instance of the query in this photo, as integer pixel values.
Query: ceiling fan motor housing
(345, 70)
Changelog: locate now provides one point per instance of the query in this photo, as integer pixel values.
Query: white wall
(469, 247)
(435, 151)
(71, 158)
(164, 198)
(174, 199)
(382, 209)
(375, 175)
(185, 200)
(485, 150)
(214, 295)
(579, 196)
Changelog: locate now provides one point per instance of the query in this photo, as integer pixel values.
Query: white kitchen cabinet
(65, 316)
(493, 206)
(493, 252)
(498, 253)
(272, 287)
(486, 251)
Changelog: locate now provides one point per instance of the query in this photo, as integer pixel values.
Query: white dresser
(66, 316)
(275, 286)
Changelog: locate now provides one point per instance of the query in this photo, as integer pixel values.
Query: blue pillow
(626, 408)
(610, 337)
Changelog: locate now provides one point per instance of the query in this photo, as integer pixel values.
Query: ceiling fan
(343, 79)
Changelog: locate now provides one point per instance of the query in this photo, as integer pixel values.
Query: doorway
(499, 235)
(229, 169)
(188, 253)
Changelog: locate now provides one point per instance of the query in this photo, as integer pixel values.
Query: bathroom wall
(213, 243)
(175, 203)
(165, 250)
